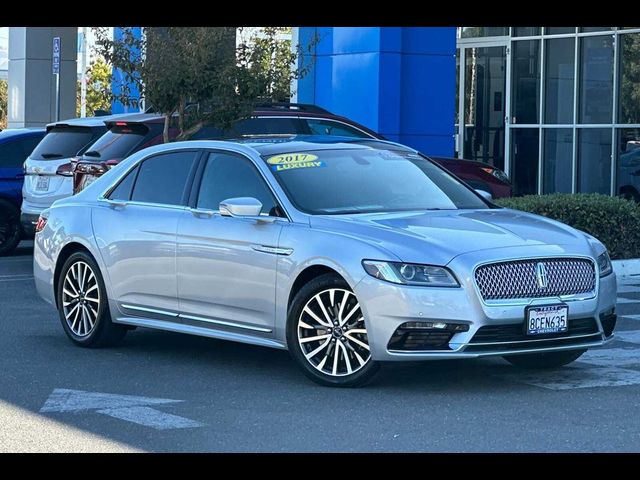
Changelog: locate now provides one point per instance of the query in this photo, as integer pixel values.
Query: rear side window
(329, 127)
(163, 178)
(65, 141)
(118, 142)
(124, 188)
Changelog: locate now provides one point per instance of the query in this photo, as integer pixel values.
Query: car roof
(299, 143)
(137, 118)
(92, 121)
(20, 132)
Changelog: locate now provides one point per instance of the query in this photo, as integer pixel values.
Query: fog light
(454, 327)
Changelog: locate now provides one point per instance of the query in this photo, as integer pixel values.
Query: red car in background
(478, 175)
(140, 131)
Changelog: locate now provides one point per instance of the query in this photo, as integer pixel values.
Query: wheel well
(305, 277)
(65, 253)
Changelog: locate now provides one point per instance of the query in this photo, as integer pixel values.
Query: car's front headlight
(604, 264)
(410, 273)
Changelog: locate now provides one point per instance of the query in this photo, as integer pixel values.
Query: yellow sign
(291, 158)
(294, 160)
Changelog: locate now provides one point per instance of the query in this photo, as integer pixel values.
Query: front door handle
(200, 213)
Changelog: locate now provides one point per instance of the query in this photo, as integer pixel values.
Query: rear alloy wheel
(327, 334)
(10, 230)
(544, 359)
(82, 303)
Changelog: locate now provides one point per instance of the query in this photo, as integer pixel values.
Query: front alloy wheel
(330, 340)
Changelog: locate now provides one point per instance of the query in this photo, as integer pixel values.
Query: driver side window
(227, 175)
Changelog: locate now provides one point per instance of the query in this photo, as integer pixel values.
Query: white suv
(49, 171)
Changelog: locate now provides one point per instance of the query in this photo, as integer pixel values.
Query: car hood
(438, 237)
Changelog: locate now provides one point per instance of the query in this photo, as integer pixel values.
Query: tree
(4, 100)
(98, 88)
(199, 75)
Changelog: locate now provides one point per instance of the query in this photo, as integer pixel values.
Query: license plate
(42, 184)
(547, 319)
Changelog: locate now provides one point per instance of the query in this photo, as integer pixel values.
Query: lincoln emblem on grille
(541, 275)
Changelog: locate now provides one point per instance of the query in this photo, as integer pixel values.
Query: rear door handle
(20, 175)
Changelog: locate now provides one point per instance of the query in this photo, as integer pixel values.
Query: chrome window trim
(530, 300)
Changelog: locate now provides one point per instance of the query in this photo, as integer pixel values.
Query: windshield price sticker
(294, 160)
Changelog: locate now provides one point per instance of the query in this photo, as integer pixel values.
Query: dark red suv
(134, 133)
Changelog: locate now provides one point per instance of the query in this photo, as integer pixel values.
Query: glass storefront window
(557, 160)
(525, 31)
(526, 82)
(628, 158)
(596, 79)
(559, 30)
(629, 96)
(485, 77)
(594, 160)
(559, 76)
(467, 32)
(524, 160)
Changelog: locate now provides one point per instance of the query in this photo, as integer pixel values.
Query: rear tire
(83, 305)
(326, 334)
(10, 228)
(544, 360)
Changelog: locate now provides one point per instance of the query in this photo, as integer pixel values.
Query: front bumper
(387, 306)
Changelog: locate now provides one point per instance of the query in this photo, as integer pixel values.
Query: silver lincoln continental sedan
(346, 252)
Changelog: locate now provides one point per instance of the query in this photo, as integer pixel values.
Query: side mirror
(244, 207)
(484, 194)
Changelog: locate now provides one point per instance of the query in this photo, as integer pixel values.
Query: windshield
(65, 142)
(368, 180)
(117, 143)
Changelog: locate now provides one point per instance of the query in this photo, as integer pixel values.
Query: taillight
(91, 168)
(66, 170)
(41, 223)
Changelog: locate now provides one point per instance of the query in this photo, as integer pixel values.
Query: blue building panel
(117, 77)
(430, 108)
(398, 81)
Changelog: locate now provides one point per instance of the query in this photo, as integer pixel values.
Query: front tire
(327, 336)
(83, 305)
(545, 359)
(10, 228)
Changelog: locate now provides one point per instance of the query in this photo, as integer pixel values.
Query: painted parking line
(629, 317)
(629, 336)
(627, 300)
(578, 376)
(15, 278)
(627, 357)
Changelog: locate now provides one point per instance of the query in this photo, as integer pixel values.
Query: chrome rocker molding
(200, 331)
(193, 317)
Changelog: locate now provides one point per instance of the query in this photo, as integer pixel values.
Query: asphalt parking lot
(162, 391)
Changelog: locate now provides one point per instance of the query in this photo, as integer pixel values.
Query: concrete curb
(626, 268)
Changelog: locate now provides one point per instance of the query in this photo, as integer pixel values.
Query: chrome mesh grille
(518, 278)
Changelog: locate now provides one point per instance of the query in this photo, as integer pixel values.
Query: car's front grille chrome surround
(536, 278)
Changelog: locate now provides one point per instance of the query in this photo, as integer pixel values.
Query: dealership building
(558, 108)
